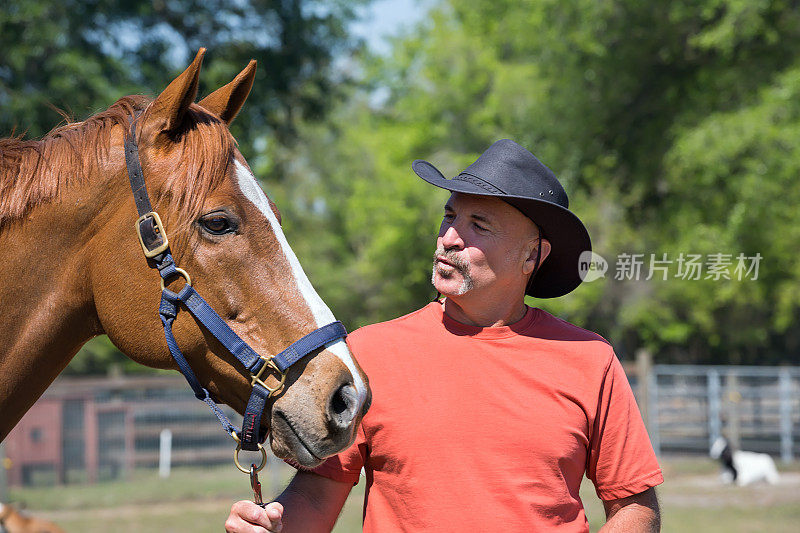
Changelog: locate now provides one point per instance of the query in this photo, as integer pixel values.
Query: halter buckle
(152, 235)
(257, 376)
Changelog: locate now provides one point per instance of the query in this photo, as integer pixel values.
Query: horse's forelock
(33, 171)
(206, 149)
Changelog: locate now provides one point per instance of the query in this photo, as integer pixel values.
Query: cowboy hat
(513, 174)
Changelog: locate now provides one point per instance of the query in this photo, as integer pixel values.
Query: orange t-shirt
(491, 429)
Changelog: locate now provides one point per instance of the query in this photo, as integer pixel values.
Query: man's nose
(451, 238)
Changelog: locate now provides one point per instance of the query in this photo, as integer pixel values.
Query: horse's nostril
(338, 403)
(342, 406)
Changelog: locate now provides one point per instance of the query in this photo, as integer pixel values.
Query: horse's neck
(45, 293)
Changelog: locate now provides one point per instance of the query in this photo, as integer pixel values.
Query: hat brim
(559, 274)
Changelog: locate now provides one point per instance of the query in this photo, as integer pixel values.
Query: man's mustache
(452, 257)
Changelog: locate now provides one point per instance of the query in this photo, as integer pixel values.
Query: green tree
(81, 56)
(744, 165)
(363, 228)
(672, 125)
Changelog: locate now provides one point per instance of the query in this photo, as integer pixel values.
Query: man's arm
(638, 513)
(310, 503)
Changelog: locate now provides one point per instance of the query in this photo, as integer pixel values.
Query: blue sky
(384, 18)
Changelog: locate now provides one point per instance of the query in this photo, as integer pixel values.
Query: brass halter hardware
(182, 273)
(158, 233)
(273, 391)
(242, 469)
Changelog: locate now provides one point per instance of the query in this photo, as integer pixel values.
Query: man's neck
(485, 314)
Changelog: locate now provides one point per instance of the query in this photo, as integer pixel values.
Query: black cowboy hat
(513, 174)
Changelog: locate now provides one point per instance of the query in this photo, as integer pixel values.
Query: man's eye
(479, 226)
(216, 224)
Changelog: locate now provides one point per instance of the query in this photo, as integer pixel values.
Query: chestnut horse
(73, 264)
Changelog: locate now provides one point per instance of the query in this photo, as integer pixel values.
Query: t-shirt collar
(522, 326)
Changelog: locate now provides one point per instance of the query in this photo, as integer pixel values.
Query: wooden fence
(90, 429)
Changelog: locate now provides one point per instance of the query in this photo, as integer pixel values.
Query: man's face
(483, 244)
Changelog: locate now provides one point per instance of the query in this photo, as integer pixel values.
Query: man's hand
(247, 517)
(311, 502)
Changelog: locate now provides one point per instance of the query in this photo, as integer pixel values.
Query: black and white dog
(743, 468)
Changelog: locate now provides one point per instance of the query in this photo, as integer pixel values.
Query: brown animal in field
(11, 521)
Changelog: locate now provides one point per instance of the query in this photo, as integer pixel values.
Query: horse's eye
(216, 224)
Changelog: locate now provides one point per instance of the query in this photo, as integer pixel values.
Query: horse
(12, 521)
(73, 268)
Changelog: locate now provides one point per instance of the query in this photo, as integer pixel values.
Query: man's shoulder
(555, 328)
(574, 346)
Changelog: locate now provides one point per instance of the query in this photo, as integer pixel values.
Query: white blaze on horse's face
(322, 314)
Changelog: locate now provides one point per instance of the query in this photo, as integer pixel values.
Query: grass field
(198, 500)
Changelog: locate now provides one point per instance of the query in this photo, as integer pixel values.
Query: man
(486, 413)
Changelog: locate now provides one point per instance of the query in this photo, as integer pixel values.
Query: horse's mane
(32, 172)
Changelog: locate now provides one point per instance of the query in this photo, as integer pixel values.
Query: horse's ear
(226, 101)
(167, 111)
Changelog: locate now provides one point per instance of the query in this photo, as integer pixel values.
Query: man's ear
(529, 263)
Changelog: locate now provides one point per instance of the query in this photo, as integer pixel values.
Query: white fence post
(785, 387)
(714, 416)
(732, 409)
(164, 453)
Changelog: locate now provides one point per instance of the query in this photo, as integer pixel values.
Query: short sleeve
(621, 460)
(346, 466)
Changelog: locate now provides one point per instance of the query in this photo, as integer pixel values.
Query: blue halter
(156, 249)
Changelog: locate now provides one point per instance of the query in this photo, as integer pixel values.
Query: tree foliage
(672, 125)
(80, 56)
